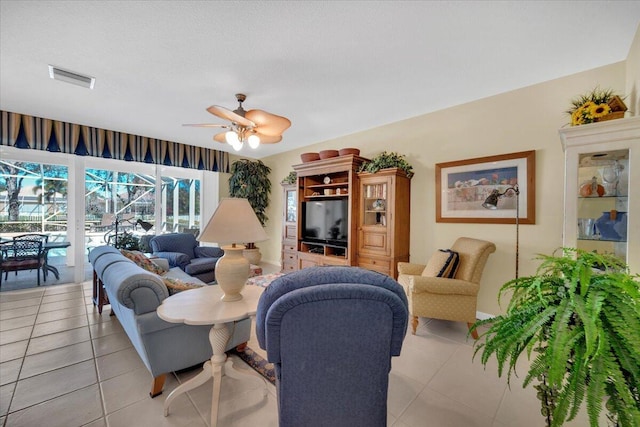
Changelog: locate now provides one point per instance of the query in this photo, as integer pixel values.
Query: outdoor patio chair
(22, 254)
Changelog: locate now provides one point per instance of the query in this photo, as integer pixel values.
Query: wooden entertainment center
(376, 233)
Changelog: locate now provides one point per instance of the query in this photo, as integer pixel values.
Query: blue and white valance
(27, 132)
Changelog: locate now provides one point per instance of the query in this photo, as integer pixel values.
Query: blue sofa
(134, 294)
(184, 251)
(330, 333)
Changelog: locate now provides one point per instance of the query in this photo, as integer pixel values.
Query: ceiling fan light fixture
(232, 138)
(237, 146)
(254, 141)
(253, 127)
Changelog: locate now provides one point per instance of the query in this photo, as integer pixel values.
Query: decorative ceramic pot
(327, 154)
(309, 157)
(347, 151)
(253, 255)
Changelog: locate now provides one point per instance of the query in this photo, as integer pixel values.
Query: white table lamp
(233, 221)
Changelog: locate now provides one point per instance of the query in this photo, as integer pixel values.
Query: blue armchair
(184, 251)
(330, 333)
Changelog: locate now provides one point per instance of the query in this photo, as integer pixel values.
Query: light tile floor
(63, 364)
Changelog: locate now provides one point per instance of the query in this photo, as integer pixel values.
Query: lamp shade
(491, 202)
(146, 226)
(234, 221)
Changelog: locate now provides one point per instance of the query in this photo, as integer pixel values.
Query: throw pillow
(443, 263)
(176, 285)
(140, 259)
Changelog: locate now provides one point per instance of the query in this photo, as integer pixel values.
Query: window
(180, 204)
(43, 192)
(33, 198)
(129, 196)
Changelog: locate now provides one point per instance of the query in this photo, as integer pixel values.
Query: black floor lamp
(146, 226)
(491, 202)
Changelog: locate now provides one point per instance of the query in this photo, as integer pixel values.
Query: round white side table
(203, 306)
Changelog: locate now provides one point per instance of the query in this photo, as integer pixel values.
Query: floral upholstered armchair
(441, 290)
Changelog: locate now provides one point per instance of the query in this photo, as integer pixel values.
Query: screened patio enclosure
(73, 198)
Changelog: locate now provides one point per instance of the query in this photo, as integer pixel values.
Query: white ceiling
(333, 68)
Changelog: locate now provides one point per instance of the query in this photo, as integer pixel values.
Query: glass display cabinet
(601, 202)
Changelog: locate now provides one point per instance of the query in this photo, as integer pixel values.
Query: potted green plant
(127, 241)
(250, 180)
(580, 317)
(386, 160)
(291, 178)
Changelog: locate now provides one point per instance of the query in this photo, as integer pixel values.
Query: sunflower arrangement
(594, 105)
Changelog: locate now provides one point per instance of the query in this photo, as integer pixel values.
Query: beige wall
(633, 77)
(525, 119)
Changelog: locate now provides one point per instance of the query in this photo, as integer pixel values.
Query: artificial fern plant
(579, 317)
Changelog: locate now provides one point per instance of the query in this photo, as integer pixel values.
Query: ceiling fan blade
(230, 115)
(267, 123)
(205, 125)
(220, 137)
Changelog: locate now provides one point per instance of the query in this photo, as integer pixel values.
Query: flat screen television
(326, 221)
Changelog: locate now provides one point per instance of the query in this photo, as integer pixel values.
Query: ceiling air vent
(71, 77)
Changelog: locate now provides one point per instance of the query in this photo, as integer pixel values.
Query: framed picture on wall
(463, 186)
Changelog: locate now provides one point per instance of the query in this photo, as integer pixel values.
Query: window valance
(23, 131)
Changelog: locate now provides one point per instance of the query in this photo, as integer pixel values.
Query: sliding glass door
(115, 195)
(77, 199)
(33, 198)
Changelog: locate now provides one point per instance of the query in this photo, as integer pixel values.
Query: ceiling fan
(253, 127)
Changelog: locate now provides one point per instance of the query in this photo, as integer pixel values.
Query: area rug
(257, 362)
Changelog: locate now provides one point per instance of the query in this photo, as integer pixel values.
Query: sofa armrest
(134, 288)
(442, 285)
(411, 269)
(176, 259)
(208, 252)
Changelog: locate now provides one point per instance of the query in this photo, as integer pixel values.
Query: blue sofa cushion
(175, 242)
(200, 265)
(208, 252)
(175, 259)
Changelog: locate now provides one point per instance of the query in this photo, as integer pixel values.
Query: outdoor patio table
(47, 247)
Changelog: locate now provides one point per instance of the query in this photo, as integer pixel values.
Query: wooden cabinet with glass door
(383, 229)
(289, 259)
